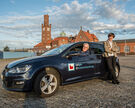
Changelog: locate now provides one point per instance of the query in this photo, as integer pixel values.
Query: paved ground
(88, 94)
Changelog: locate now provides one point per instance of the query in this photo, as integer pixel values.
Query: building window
(54, 45)
(126, 49)
(48, 47)
(43, 28)
(81, 37)
(118, 49)
(48, 29)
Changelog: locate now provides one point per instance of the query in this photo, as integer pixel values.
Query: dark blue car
(59, 66)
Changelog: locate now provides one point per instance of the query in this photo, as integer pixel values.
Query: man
(85, 50)
(110, 56)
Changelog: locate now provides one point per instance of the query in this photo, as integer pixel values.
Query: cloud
(112, 11)
(12, 44)
(70, 16)
(21, 26)
(14, 19)
(99, 16)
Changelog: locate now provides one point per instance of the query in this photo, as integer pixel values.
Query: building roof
(90, 36)
(49, 41)
(43, 44)
(59, 38)
(125, 40)
(72, 38)
(39, 44)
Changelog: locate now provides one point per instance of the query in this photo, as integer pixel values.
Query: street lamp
(125, 48)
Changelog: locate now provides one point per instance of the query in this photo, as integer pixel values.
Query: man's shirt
(86, 53)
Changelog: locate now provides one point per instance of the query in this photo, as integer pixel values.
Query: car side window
(97, 48)
(77, 48)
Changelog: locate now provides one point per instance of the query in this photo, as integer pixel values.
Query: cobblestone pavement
(94, 93)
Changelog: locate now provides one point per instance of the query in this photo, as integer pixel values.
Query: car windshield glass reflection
(56, 50)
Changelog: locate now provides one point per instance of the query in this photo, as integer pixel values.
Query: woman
(110, 56)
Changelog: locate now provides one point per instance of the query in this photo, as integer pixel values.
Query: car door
(98, 50)
(80, 67)
(85, 65)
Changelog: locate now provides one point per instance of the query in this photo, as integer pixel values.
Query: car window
(97, 48)
(57, 50)
(77, 48)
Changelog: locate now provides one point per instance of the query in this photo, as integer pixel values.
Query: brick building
(126, 46)
(48, 43)
(85, 36)
(59, 41)
(46, 40)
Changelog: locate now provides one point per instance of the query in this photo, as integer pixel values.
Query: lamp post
(125, 48)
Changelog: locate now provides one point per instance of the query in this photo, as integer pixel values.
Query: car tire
(117, 71)
(46, 84)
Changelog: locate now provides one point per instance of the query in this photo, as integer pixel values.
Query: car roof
(87, 42)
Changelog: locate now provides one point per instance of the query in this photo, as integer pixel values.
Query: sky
(20, 20)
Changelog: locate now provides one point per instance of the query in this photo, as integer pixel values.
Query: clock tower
(46, 30)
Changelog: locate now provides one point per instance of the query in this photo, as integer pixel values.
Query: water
(18, 54)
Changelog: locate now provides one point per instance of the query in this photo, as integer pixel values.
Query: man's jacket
(86, 53)
(107, 47)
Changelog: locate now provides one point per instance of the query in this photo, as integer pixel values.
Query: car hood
(27, 60)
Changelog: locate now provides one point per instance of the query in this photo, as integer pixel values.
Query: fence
(5, 55)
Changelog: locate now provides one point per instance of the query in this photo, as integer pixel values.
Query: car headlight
(20, 69)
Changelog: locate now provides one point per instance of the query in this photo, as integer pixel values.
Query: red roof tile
(59, 38)
(92, 37)
(39, 44)
(49, 41)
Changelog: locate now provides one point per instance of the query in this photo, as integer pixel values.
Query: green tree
(6, 48)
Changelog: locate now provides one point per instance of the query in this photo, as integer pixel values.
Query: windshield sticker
(71, 67)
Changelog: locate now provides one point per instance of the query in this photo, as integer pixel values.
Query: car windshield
(57, 50)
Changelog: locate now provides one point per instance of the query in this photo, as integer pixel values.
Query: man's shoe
(117, 82)
(114, 82)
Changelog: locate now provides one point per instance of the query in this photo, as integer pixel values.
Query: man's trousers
(111, 63)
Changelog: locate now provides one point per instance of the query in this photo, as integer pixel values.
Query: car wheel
(117, 71)
(47, 84)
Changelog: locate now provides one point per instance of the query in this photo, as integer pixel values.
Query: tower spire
(80, 27)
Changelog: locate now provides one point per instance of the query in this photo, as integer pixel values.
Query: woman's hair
(111, 34)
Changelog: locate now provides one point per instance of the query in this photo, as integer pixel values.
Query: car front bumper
(16, 82)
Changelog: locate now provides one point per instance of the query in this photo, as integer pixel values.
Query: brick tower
(46, 30)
